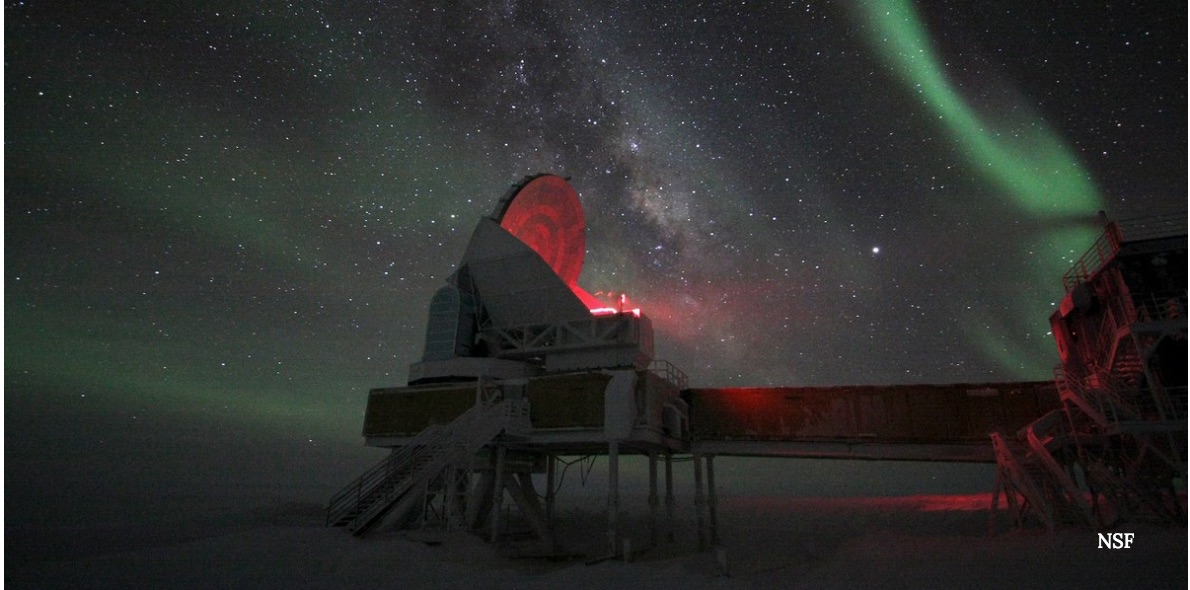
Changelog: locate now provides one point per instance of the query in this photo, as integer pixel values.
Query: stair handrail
(1128, 309)
(1070, 389)
(1011, 467)
(346, 499)
(462, 436)
(1112, 389)
(482, 422)
(1103, 403)
(1045, 426)
(1157, 306)
(1173, 399)
(1107, 337)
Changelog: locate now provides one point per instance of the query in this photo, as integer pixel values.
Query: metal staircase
(1071, 392)
(403, 477)
(1034, 483)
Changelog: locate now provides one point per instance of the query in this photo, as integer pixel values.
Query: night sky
(233, 214)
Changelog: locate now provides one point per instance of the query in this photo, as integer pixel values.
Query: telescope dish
(546, 215)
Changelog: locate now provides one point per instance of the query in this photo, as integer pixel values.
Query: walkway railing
(1114, 235)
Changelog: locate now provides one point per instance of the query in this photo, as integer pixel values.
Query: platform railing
(1124, 311)
(1160, 306)
(669, 372)
(1149, 227)
(1114, 235)
(1101, 251)
(1110, 402)
(583, 333)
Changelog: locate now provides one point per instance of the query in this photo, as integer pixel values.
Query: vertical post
(498, 492)
(427, 502)
(551, 467)
(461, 493)
(654, 512)
(613, 495)
(450, 488)
(712, 501)
(699, 503)
(669, 497)
(479, 499)
(722, 568)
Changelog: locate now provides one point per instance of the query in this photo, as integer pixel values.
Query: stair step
(421, 465)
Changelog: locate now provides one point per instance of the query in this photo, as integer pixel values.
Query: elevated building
(521, 365)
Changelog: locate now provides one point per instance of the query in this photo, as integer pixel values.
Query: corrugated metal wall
(899, 413)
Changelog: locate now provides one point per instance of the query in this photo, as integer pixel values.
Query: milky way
(240, 210)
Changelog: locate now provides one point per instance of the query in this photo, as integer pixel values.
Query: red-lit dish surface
(547, 216)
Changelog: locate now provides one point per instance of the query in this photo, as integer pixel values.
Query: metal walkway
(892, 422)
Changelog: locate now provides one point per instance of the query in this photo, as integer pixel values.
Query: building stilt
(498, 492)
(551, 466)
(669, 497)
(712, 501)
(520, 488)
(479, 502)
(654, 504)
(613, 496)
(699, 504)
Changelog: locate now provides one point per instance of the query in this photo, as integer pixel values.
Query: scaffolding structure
(1117, 450)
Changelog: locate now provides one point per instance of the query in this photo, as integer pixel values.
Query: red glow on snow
(927, 502)
(974, 502)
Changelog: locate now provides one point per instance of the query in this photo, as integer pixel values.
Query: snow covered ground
(257, 537)
(99, 500)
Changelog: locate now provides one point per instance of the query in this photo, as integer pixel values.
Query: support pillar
(479, 500)
(699, 504)
(498, 493)
(551, 466)
(613, 496)
(427, 502)
(450, 489)
(654, 508)
(669, 497)
(712, 501)
(520, 487)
